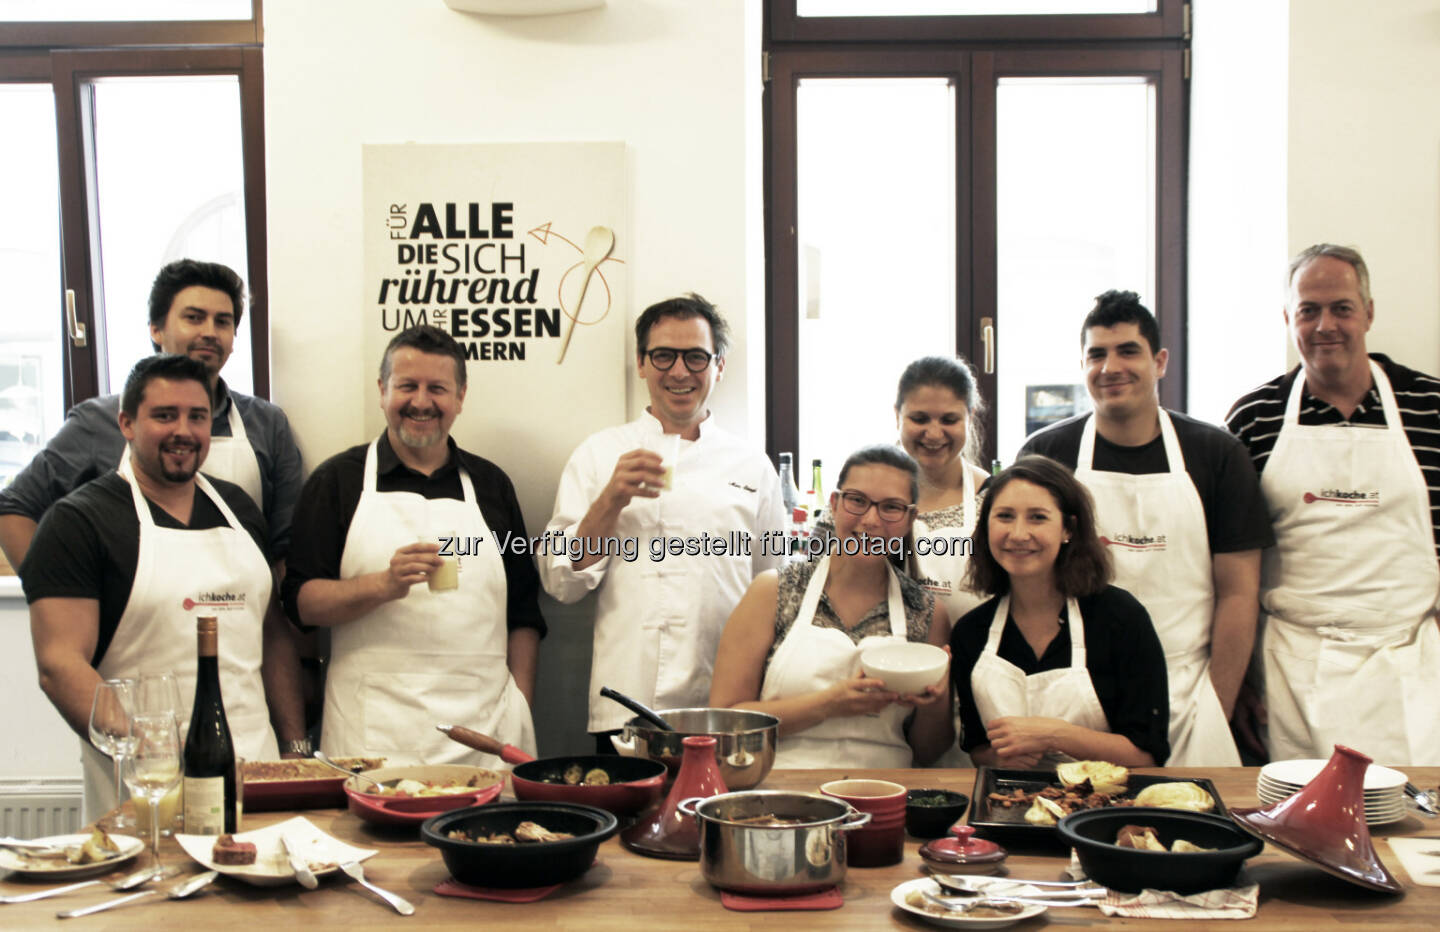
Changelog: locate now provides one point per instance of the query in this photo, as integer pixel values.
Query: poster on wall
(518, 251)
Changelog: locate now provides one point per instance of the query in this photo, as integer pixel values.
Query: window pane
(967, 7)
(170, 186)
(876, 208)
(80, 11)
(31, 373)
(1075, 208)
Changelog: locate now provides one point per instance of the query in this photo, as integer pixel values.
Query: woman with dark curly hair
(1058, 664)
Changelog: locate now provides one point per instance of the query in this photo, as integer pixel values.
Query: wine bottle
(210, 790)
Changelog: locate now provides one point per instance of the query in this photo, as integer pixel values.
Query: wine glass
(111, 733)
(153, 769)
(158, 694)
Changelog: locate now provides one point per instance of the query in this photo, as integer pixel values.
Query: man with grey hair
(1346, 448)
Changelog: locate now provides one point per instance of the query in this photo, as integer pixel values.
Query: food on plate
(525, 833)
(575, 775)
(1103, 776)
(915, 899)
(1144, 838)
(98, 847)
(274, 771)
(1136, 836)
(232, 853)
(408, 788)
(1178, 795)
(1044, 812)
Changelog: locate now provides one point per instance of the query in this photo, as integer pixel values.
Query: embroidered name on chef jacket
(1136, 542)
(215, 601)
(1350, 498)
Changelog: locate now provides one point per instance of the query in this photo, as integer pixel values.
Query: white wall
(1364, 162)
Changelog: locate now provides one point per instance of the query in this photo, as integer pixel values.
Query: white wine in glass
(153, 770)
(111, 733)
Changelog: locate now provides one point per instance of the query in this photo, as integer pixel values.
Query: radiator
(36, 808)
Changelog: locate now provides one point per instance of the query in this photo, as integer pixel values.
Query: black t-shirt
(331, 494)
(1219, 466)
(88, 544)
(1122, 653)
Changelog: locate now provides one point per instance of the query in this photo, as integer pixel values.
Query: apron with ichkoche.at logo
(1351, 649)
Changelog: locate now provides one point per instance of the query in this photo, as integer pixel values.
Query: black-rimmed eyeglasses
(663, 358)
(890, 509)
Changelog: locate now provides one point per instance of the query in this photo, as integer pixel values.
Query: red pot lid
(965, 848)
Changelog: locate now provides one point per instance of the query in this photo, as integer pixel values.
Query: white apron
(427, 658)
(944, 574)
(1002, 689)
(1351, 651)
(179, 576)
(233, 459)
(813, 658)
(1154, 527)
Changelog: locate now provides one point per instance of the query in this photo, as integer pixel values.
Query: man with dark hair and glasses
(658, 622)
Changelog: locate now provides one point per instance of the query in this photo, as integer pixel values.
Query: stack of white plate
(1384, 788)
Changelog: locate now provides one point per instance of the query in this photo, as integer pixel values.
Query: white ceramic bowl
(907, 668)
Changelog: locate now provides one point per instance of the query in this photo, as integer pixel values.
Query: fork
(357, 873)
(964, 904)
(1423, 800)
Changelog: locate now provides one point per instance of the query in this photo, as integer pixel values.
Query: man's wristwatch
(297, 746)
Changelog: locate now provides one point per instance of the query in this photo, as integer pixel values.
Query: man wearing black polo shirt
(1180, 510)
(1348, 449)
(379, 531)
(118, 570)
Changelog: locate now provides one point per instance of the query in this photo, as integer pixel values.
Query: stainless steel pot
(744, 741)
(773, 859)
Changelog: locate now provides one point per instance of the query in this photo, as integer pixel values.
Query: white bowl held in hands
(906, 667)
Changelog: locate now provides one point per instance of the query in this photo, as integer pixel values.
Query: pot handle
(624, 743)
(689, 804)
(854, 820)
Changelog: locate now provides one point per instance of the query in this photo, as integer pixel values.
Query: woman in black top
(1032, 685)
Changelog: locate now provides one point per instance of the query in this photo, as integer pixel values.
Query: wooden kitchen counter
(627, 891)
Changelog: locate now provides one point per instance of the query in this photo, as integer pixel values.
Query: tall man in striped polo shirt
(1348, 450)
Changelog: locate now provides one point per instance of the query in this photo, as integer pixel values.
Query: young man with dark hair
(416, 640)
(1180, 509)
(119, 569)
(658, 621)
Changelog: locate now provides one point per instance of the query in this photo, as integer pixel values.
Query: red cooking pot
(635, 782)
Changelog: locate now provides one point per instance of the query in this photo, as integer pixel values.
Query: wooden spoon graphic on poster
(598, 243)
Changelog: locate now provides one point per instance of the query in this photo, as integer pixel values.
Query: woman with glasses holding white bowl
(1058, 664)
(792, 646)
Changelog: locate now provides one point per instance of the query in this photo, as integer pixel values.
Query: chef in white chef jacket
(416, 642)
(1179, 508)
(1351, 651)
(119, 570)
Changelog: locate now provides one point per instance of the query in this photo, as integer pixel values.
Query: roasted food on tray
(1047, 806)
(268, 771)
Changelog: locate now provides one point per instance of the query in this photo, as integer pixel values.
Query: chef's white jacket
(658, 621)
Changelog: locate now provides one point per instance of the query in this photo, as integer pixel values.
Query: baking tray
(992, 820)
(301, 793)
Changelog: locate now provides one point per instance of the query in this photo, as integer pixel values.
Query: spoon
(128, 882)
(320, 756)
(640, 710)
(968, 884)
(598, 243)
(178, 892)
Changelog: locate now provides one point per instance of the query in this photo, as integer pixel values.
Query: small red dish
(413, 810)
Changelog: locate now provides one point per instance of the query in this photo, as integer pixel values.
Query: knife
(302, 870)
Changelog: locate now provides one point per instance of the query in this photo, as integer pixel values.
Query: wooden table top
(627, 891)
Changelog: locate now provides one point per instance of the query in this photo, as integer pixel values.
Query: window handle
(987, 336)
(72, 324)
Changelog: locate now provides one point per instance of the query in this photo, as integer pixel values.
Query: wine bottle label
(204, 805)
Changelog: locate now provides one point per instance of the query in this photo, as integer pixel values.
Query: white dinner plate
(322, 852)
(1301, 772)
(12, 860)
(961, 920)
(1370, 795)
(1374, 815)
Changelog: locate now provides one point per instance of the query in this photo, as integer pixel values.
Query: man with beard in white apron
(1349, 463)
(118, 571)
(195, 309)
(397, 550)
(1179, 507)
